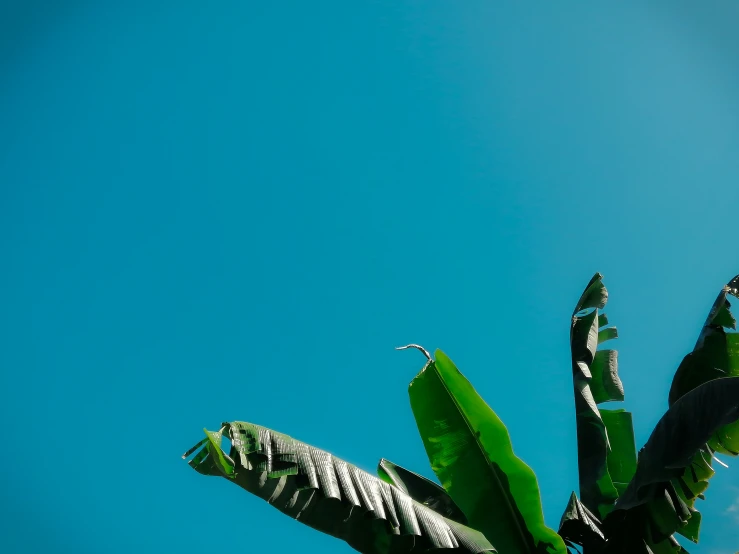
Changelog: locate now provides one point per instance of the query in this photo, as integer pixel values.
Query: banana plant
(489, 499)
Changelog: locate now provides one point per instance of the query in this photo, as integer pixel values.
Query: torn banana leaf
(652, 524)
(470, 451)
(330, 495)
(580, 527)
(716, 355)
(680, 435)
(654, 505)
(632, 532)
(605, 438)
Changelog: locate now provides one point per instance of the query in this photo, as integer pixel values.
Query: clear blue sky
(235, 210)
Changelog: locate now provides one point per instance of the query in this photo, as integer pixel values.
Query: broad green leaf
(471, 453)
(329, 494)
(605, 439)
(421, 490)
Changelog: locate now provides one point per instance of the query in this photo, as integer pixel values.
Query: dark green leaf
(331, 495)
(470, 451)
(595, 294)
(680, 435)
(579, 526)
(715, 356)
(634, 531)
(724, 317)
(716, 353)
(584, 337)
(421, 490)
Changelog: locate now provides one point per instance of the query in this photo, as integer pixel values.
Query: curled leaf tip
(417, 347)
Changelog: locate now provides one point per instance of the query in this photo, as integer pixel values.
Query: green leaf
(331, 495)
(605, 439)
(609, 333)
(621, 458)
(691, 529)
(421, 490)
(471, 453)
(667, 513)
(605, 384)
(220, 461)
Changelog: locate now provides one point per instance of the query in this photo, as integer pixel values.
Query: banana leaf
(716, 355)
(329, 494)
(680, 435)
(605, 438)
(471, 453)
(421, 490)
(653, 507)
(631, 533)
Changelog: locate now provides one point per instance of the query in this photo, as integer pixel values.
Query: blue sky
(236, 210)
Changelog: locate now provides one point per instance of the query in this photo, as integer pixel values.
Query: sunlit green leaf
(470, 451)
